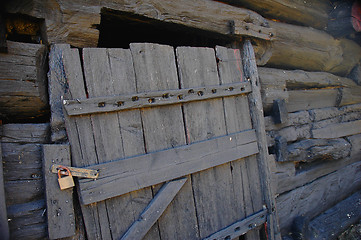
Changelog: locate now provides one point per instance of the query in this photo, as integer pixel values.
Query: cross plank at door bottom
(126, 175)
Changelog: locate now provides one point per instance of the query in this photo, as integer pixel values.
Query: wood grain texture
(156, 70)
(154, 210)
(329, 190)
(59, 203)
(312, 13)
(126, 175)
(23, 93)
(4, 226)
(151, 99)
(72, 22)
(337, 219)
(237, 116)
(204, 120)
(338, 130)
(255, 103)
(25, 133)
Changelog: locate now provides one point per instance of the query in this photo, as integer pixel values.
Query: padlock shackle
(63, 168)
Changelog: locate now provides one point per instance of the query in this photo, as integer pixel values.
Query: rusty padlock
(67, 181)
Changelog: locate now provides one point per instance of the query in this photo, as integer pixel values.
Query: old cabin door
(177, 137)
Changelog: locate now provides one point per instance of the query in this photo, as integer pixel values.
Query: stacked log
(23, 179)
(23, 91)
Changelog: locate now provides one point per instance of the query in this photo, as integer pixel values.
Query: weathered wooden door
(177, 138)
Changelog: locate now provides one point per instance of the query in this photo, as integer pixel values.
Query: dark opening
(118, 29)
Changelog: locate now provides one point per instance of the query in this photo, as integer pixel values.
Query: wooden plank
(82, 142)
(338, 130)
(250, 71)
(328, 189)
(154, 210)
(237, 118)
(23, 76)
(310, 99)
(4, 226)
(241, 227)
(204, 120)
(151, 99)
(125, 175)
(350, 96)
(25, 133)
(156, 70)
(280, 111)
(28, 220)
(337, 219)
(59, 203)
(76, 172)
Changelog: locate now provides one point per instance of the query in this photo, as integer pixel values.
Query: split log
(23, 91)
(332, 112)
(297, 47)
(291, 133)
(312, 13)
(73, 22)
(310, 150)
(293, 119)
(337, 219)
(312, 199)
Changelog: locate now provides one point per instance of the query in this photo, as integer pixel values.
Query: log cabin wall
(310, 85)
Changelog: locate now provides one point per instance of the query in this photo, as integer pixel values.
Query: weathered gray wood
(250, 71)
(28, 220)
(73, 22)
(329, 190)
(297, 47)
(23, 93)
(25, 133)
(337, 219)
(58, 89)
(126, 175)
(155, 70)
(312, 13)
(204, 120)
(280, 111)
(4, 226)
(310, 99)
(150, 99)
(59, 203)
(318, 149)
(293, 119)
(237, 118)
(350, 96)
(241, 227)
(281, 149)
(338, 130)
(83, 149)
(291, 133)
(155, 209)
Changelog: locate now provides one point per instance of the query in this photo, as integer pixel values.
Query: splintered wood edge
(77, 172)
(150, 99)
(241, 227)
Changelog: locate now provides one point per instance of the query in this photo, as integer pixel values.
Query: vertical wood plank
(245, 171)
(126, 208)
(212, 188)
(59, 203)
(81, 139)
(4, 226)
(164, 128)
(255, 103)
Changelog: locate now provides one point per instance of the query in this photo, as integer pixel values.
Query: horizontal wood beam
(338, 130)
(151, 99)
(336, 219)
(125, 175)
(241, 227)
(154, 210)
